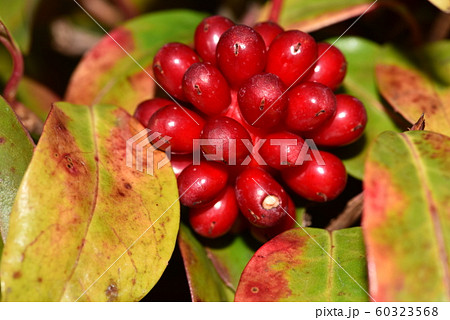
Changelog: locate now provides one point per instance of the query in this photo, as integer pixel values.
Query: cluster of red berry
(246, 98)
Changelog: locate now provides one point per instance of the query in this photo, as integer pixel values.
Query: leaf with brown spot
(406, 218)
(205, 283)
(16, 150)
(412, 91)
(296, 266)
(107, 74)
(70, 229)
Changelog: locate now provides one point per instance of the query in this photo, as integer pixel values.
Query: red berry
(178, 123)
(235, 113)
(317, 181)
(206, 88)
(240, 53)
(261, 199)
(291, 55)
(147, 108)
(287, 222)
(217, 218)
(346, 126)
(170, 64)
(310, 105)
(226, 139)
(268, 31)
(330, 68)
(262, 100)
(207, 36)
(281, 149)
(200, 184)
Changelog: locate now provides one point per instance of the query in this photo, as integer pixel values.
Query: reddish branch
(275, 11)
(10, 90)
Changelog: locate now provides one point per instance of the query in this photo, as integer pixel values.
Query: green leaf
(18, 17)
(360, 82)
(443, 5)
(311, 15)
(205, 283)
(295, 266)
(406, 218)
(80, 208)
(16, 150)
(230, 255)
(435, 57)
(411, 91)
(36, 97)
(108, 75)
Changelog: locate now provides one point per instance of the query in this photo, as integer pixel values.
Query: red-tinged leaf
(296, 266)
(230, 254)
(311, 15)
(205, 283)
(85, 226)
(411, 91)
(118, 69)
(16, 149)
(406, 219)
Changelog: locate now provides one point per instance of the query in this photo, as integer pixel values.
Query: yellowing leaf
(84, 225)
(411, 91)
(16, 149)
(406, 219)
(311, 15)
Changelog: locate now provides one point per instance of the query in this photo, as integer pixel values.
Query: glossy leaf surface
(406, 217)
(84, 225)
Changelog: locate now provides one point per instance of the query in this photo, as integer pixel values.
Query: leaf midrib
(93, 207)
(431, 204)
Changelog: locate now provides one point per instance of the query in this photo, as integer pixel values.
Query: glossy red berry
(225, 140)
(282, 149)
(268, 31)
(170, 64)
(240, 53)
(200, 184)
(261, 199)
(310, 105)
(291, 56)
(287, 222)
(331, 66)
(180, 124)
(316, 180)
(207, 36)
(345, 127)
(206, 88)
(217, 218)
(147, 108)
(262, 101)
